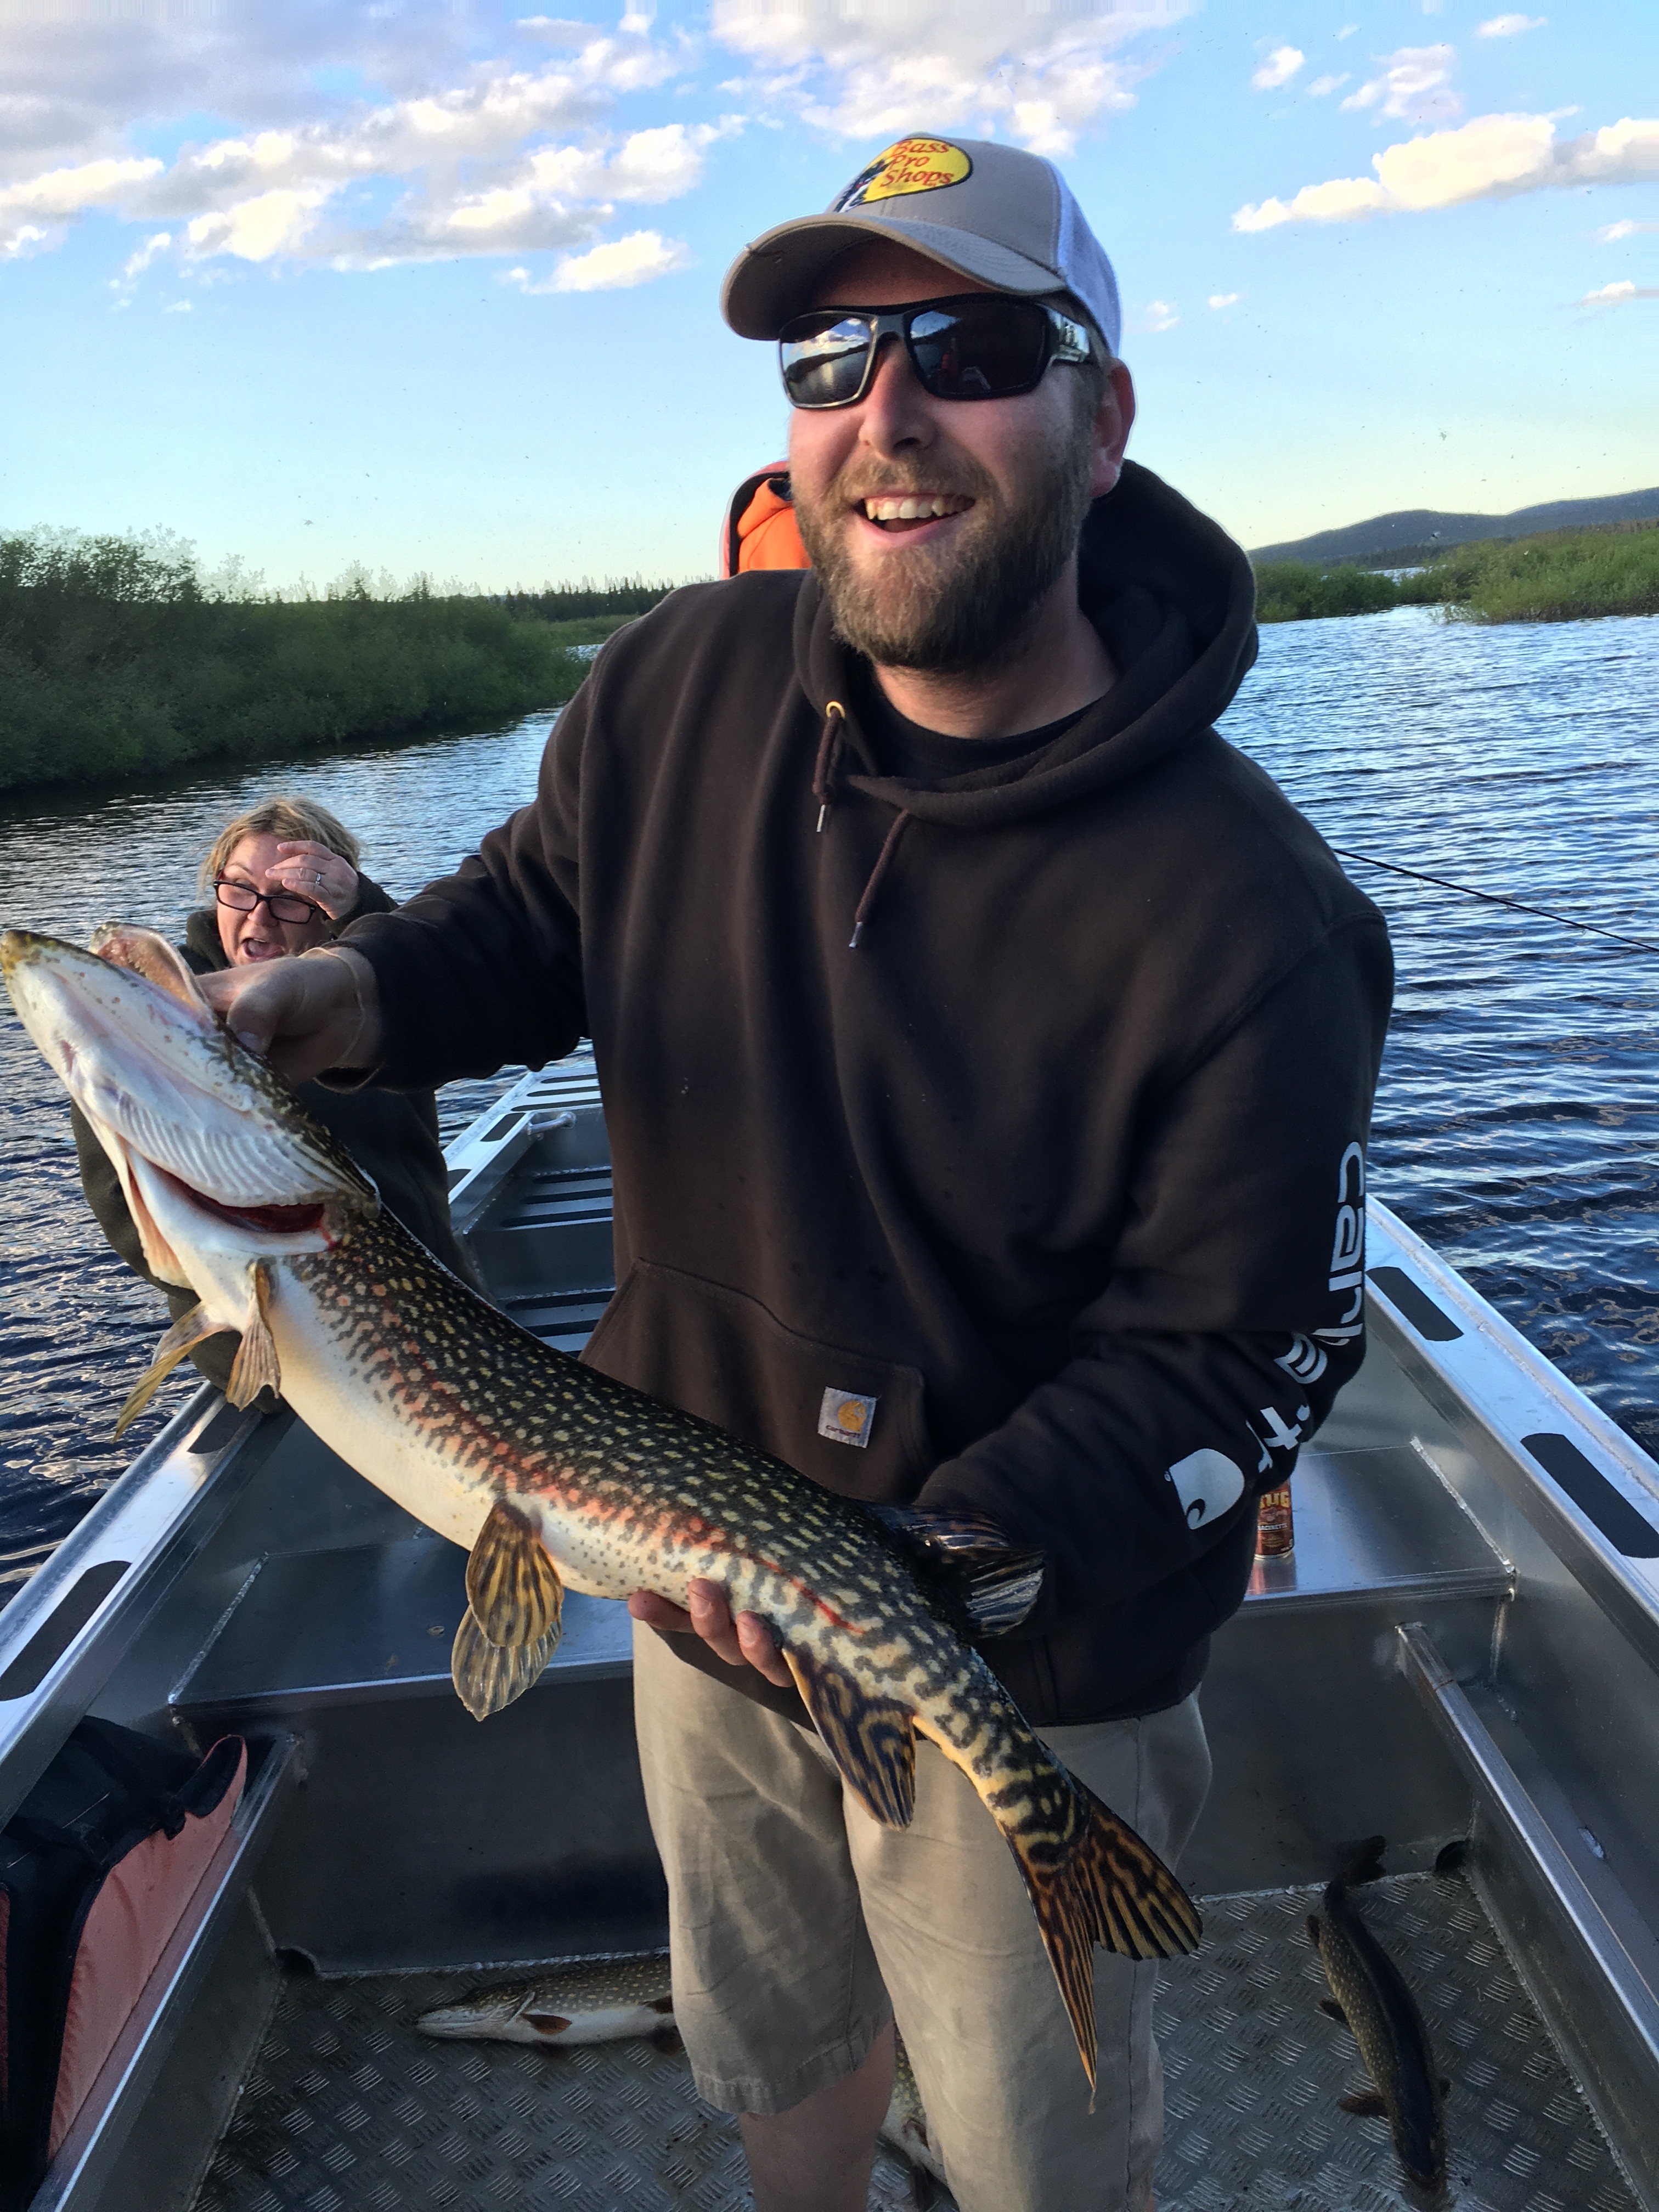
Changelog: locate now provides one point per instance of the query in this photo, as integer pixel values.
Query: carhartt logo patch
(913, 164)
(845, 1418)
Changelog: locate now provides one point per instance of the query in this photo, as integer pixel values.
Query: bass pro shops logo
(913, 164)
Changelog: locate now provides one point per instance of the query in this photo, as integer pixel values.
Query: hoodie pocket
(853, 1423)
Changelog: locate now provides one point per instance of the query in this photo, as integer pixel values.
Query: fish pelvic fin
(989, 1584)
(1332, 2010)
(488, 1676)
(513, 1587)
(871, 1740)
(256, 1366)
(1090, 1880)
(1366, 2103)
(190, 1330)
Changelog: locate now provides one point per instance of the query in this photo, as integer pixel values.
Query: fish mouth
(205, 1141)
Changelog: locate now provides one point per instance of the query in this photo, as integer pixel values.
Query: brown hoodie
(1061, 1167)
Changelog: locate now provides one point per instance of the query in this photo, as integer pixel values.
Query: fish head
(219, 1162)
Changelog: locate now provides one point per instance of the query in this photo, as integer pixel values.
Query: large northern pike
(550, 1474)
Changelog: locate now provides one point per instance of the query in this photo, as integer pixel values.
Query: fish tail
(1095, 1882)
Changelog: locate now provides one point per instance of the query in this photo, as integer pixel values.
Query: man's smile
(899, 511)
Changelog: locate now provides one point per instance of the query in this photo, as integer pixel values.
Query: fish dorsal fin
(488, 1676)
(990, 1583)
(871, 1740)
(256, 1366)
(182, 1339)
(151, 956)
(511, 1585)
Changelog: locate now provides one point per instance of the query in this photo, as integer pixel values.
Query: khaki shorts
(799, 1927)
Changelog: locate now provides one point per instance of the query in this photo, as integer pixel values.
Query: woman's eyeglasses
(983, 345)
(242, 898)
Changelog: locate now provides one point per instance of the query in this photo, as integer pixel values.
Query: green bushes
(1562, 576)
(1295, 590)
(116, 659)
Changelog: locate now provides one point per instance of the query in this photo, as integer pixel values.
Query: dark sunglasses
(242, 898)
(982, 345)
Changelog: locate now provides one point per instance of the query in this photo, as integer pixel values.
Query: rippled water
(1516, 1122)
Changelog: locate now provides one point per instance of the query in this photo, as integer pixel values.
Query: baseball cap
(995, 213)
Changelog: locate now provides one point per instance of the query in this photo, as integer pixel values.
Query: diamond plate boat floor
(348, 2109)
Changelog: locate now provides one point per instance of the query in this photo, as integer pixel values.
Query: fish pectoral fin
(511, 1585)
(1366, 2103)
(190, 1330)
(991, 1583)
(255, 1367)
(871, 1740)
(1313, 1929)
(488, 1676)
(1330, 2008)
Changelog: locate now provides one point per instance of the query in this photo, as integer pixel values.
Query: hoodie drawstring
(824, 788)
(861, 913)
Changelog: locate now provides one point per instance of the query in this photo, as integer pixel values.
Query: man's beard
(960, 609)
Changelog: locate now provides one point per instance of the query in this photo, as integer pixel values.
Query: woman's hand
(746, 1641)
(313, 872)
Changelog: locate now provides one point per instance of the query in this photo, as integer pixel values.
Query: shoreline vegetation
(119, 658)
(1562, 575)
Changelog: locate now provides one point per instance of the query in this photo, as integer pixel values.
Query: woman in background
(283, 876)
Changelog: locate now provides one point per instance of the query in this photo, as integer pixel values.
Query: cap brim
(774, 278)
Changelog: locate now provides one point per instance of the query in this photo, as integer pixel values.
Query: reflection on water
(1517, 1120)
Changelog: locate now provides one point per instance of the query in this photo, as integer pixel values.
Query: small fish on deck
(596, 2000)
(906, 2130)
(1369, 1996)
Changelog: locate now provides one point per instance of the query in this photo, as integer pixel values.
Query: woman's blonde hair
(280, 817)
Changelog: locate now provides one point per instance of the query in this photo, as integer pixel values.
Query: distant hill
(1418, 532)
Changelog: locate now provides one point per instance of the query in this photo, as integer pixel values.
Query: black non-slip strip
(1419, 1308)
(1624, 1528)
(60, 1628)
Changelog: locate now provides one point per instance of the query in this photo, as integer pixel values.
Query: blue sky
(431, 284)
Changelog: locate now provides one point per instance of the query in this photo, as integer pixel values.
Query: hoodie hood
(1152, 571)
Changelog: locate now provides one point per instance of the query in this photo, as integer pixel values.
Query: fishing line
(1496, 898)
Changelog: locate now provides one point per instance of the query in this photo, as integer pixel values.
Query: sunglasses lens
(824, 359)
(974, 351)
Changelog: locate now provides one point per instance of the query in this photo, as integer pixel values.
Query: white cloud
(1615, 295)
(1347, 30)
(1225, 298)
(510, 156)
(1156, 316)
(1509, 27)
(1280, 66)
(179, 307)
(134, 266)
(1615, 231)
(1038, 76)
(1413, 86)
(1322, 87)
(1490, 157)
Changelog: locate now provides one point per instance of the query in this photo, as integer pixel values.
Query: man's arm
(480, 969)
(1233, 1314)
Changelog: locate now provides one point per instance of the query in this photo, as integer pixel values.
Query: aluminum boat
(1462, 1653)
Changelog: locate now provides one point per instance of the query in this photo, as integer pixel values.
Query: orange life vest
(760, 525)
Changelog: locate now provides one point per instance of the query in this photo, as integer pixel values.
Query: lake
(1516, 1119)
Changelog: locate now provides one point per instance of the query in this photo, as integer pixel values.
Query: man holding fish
(988, 1051)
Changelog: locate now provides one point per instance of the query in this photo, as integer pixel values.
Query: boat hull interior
(1462, 1654)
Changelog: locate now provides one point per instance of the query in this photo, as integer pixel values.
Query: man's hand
(745, 1642)
(321, 1010)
